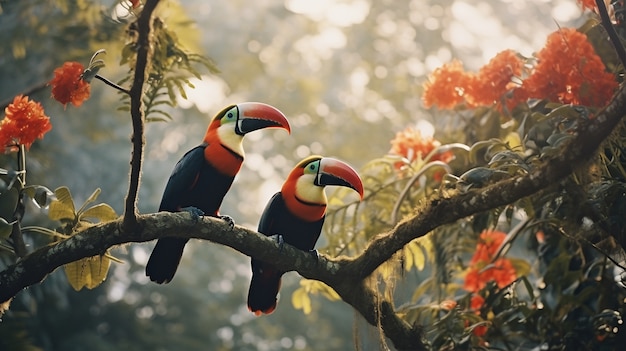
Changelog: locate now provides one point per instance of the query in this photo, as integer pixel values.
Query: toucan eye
(230, 115)
(312, 167)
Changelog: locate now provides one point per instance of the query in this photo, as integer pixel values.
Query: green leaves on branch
(170, 71)
(88, 272)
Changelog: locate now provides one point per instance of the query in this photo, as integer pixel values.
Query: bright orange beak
(256, 115)
(335, 172)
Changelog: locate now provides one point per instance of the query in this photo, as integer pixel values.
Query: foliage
(563, 245)
(87, 272)
(560, 242)
(171, 68)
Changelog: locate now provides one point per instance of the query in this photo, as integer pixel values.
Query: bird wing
(183, 178)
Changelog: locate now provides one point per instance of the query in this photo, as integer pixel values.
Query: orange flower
(412, 146)
(446, 86)
(569, 71)
(482, 270)
(68, 85)
(488, 244)
(593, 6)
(480, 330)
(24, 122)
(494, 79)
(476, 302)
(587, 4)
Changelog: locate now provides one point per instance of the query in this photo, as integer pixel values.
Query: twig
(409, 185)
(608, 26)
(137, 114)
(16, 233)
(32, 90)
(111, 84)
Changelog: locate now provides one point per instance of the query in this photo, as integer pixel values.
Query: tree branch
(608, 26)
(94, 241)
(443, 210)
(345, 275)
(138, 138)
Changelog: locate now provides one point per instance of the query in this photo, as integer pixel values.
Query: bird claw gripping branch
(195, 212)
(280, 240)
(229, 220)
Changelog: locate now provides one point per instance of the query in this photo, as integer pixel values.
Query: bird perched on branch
(296, 215)
(205, 173)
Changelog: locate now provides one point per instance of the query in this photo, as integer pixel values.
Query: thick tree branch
(93, 241)
(144, 30)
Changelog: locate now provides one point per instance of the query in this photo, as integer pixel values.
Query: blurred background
(348, 74)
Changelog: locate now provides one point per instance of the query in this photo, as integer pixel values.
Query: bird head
(308, 179)
(234, 121)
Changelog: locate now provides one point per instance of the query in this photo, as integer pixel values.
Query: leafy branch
(345, 275)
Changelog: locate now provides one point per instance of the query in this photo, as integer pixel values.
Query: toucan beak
(256, 115)
(335, 172)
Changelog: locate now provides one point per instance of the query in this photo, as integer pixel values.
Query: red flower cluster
(476, 302)
(411, 145)
(24, 122)
(484, 269)
(568, 71)
(450, 85)
(494, 79)
(68, 85)
(446, 86)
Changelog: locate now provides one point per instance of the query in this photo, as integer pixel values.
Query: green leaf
(63, 207)
(100, 212)
(39, 193)
(8, 203)
(522, 267)
(89, 200)
(301, 301)
(5, 228)
(87, 272)
(414, 255)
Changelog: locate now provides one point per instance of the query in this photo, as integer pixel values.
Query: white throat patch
(307, 193)
(230, 139)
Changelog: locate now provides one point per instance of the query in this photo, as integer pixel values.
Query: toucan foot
(278, 238)
(229, 220)
(195, 212)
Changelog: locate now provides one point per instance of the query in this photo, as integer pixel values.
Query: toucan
(205, 173)
(295, 215)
